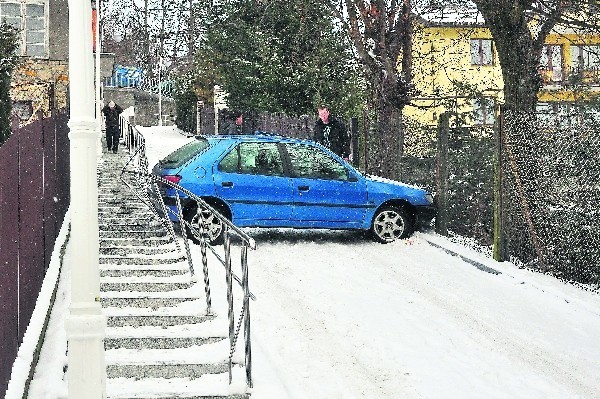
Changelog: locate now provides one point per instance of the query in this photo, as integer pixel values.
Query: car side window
(312, 162)
(253, 158)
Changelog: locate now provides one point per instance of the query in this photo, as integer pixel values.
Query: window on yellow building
(585, 58)
(482, 52)
(29, 17)
(484, 111)
(551, 64)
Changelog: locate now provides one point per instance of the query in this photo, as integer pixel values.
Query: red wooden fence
(34, 197)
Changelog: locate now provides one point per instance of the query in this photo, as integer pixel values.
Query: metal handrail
(136, 142)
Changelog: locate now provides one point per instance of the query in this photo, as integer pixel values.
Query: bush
(185, 106)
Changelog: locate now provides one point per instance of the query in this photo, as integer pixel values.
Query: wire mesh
(551, 181)
(549, 191)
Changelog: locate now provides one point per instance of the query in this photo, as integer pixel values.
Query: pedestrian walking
(111, 113)
(331, 133)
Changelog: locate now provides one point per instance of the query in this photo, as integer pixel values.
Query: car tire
(390, 223)
(215, 226)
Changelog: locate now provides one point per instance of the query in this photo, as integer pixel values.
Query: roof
(451, 15)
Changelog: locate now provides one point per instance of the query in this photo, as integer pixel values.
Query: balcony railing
(560, 77)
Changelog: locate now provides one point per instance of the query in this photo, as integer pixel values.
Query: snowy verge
(544, 283)
(28, 353)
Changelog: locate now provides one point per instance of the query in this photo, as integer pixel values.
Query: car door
(250, 178)
(326, 193)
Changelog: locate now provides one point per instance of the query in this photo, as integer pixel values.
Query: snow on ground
(339, 316)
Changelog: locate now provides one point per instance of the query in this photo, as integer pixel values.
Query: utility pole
(97, 44)
(85, 324)
(159, 91)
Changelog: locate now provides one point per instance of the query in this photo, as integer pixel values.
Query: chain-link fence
(537, 183)
(551, 189)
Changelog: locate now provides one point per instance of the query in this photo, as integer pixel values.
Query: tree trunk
(519, 61)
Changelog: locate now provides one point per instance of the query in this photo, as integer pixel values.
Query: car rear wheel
(213, 226)
(389, 224)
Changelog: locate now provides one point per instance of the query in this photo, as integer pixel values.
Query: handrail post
(186, 244)
(248, 351)
(230, 315)
(166, 220)
(203, 244)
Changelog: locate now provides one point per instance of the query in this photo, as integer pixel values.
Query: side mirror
(352, 177)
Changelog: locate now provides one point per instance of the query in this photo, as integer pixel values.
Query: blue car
(272, 181)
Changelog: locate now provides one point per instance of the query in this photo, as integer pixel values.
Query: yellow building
(456, 69)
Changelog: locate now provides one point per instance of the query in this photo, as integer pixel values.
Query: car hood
(382, 187)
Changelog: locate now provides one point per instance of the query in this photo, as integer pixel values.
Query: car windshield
(184, 154)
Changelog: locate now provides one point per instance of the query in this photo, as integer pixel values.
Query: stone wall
(42, 83)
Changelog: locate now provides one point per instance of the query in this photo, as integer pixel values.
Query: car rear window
(184, 154)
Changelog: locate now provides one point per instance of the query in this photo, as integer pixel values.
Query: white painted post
(160, 121)
(199, 107)
(98, 94)
(85, 325)
(215, 87)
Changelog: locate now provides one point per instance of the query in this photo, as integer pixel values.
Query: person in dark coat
(233, 123)
(331, 133)
(112, 112)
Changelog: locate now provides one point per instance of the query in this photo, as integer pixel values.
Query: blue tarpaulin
(125, 76)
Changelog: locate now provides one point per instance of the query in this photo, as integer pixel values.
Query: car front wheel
(389, 224)
(213, 226)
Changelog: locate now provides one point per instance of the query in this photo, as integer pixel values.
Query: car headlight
(429, 198)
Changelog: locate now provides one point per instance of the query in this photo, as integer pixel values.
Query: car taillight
(173, 178)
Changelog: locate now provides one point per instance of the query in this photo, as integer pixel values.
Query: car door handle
(303, 188)
(227, 184)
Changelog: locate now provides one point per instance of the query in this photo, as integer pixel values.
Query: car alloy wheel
(213, 227)
(390, 224)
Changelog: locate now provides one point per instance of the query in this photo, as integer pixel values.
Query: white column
(85, 325)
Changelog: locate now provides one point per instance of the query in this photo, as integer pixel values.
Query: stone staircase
(160, 341)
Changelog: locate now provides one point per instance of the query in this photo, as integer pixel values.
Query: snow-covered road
(341, 317)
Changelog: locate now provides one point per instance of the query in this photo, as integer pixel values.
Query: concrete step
(158, 342)
(137, 242)
(131, 207)
(183, 265)
(150, 220)
(144, 302)
(142, 273)
(136, 260)
(131, 234)
(144, 287)
(157, 321)
(137, 250)
(164, 370)
(131, 227)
